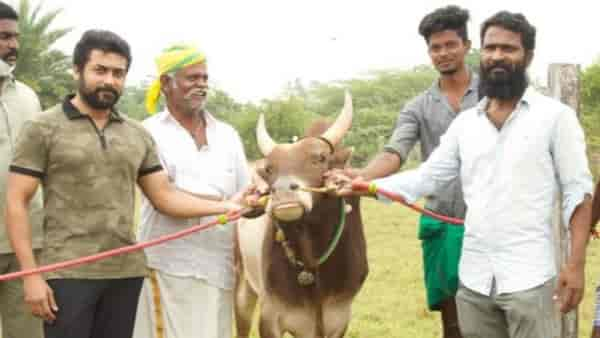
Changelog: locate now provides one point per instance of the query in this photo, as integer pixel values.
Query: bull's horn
(265, 142)
(336, 132)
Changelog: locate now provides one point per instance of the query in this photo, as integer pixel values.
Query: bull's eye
(318, 159)
(269, 170)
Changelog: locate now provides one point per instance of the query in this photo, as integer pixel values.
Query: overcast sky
(256, 46)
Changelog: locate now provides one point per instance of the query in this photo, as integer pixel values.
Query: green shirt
(18, 103)
(89, 179)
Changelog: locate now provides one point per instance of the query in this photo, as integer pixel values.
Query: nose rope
(372, 189)
(320, 190)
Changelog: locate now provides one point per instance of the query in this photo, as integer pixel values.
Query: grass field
(392, 302)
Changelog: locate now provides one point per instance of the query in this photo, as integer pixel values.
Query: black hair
(445, 18)
(103, 40)
(7, 12)
(515, 22)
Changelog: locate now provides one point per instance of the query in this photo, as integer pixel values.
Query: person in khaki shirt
(88, 158)
(17, 104)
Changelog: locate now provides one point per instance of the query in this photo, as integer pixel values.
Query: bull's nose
(294, 186)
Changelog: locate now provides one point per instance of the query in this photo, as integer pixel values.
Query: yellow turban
(171, 60)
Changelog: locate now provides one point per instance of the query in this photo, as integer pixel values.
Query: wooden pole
(563, 85)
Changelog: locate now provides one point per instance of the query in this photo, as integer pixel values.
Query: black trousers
(90, 308)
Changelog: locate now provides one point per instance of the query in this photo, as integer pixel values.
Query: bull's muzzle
(288, 212)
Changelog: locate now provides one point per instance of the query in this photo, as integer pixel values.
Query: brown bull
(281, 257)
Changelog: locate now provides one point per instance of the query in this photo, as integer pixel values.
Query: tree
(45, 70)
(132, 100)
(473, 58)
(590, 86)
(378, 97)
(590, 111)
(221, 104)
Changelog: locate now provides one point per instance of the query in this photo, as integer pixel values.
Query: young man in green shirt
(425, 119)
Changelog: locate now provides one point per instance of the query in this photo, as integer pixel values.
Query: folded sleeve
(570, 162)
(31, 149)
(441, 168)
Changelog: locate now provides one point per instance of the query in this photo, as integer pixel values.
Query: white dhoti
(183, 307)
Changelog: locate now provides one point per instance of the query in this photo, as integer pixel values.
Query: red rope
(397, 198)
(121, 250)
(364, 186)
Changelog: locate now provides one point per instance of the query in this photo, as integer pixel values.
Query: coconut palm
(44, 69)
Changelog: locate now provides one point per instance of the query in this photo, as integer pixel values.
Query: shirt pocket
(213, 175)
(528, 153)
(222, 178)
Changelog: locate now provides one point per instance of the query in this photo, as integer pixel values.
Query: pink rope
(397, 198)
(122, 250)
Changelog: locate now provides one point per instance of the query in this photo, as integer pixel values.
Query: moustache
(108, 90)
(195, 92)
(12, 52)
(504, 66)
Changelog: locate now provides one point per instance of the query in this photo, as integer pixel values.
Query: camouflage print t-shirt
(89, 179)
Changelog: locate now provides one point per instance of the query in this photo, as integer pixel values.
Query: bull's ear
(259, 168)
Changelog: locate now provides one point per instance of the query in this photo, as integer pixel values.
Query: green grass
(392, 302)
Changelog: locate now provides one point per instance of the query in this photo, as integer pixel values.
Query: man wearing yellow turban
(189, 293)
(170, 61)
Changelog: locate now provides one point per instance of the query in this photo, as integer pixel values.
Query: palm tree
(44, 69)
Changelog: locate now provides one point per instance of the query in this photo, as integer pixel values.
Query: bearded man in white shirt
(513, 152)
(189, 292)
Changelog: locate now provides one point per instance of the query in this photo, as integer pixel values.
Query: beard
(449, 70)
(503, 81)
(99, 98)
(197, 107)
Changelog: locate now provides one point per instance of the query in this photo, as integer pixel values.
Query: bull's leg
(336, 317)
(340, 333)
(309, 333)
(269, 324)
(245, 302)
